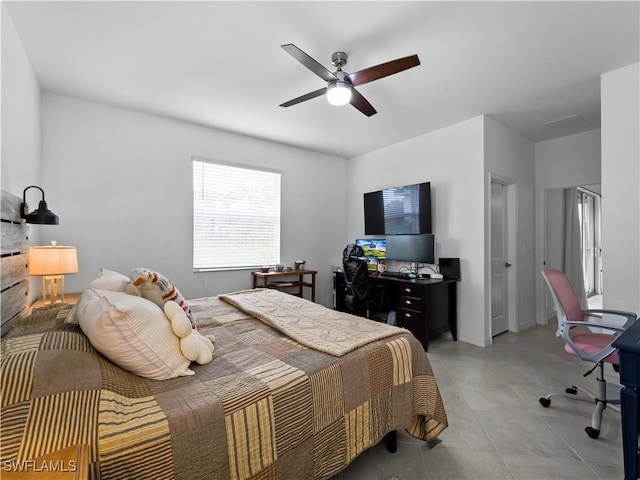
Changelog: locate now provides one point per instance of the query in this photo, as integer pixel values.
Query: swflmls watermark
(44, 466)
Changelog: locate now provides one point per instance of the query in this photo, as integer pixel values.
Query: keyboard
(394, 274)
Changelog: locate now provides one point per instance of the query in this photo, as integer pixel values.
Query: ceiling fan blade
(361, 103)
(383, 70)
(309, 62)
(304, 98)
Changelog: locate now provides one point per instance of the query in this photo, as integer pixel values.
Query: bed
(268, 406)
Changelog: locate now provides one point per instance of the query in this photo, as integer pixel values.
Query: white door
(499, 260)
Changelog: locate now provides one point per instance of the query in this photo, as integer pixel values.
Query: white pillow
(73, 314)
(109, 280)
(133, 333)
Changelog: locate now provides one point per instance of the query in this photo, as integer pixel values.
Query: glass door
(589, 216)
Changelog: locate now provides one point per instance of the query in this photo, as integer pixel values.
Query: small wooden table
(294, 287)
(69, 299)
(71, 463)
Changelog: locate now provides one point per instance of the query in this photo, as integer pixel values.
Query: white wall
(121, 183)
(569, 161)
(452, 160)
(620, 99)
(21, 130)
(20, 116)
(511, 158)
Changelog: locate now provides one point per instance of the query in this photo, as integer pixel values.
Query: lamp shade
(41, 215)
(52, 260)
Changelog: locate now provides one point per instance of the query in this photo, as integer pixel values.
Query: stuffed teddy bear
(158, 288)
(194, 346)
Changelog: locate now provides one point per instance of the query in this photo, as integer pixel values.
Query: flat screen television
(412, 248)
(399, 210)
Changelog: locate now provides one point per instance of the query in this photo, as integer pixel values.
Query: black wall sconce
(42, 215)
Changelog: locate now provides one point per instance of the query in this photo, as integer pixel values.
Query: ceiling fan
(340, 87)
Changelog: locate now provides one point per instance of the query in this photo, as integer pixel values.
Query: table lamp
(52, 262)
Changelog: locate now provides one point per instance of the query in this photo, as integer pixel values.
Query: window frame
(276, 246)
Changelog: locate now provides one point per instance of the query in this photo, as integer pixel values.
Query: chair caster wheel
(572, 390)
(592, 432)
(545, 402)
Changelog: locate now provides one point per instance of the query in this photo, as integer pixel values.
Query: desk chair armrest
(622, 313)
(605, 351)
(630, 316)
(565, 329)
(585, 324)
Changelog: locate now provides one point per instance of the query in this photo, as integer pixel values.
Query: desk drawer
(414, 321)
(408, 315)
(410, 300)
(408, 290)
(411, 303)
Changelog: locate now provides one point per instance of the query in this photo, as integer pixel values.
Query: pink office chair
(588, 334)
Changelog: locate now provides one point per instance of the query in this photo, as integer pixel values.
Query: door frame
(541, 240)
(512, 250)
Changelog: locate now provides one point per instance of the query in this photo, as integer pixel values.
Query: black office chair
(362, 297)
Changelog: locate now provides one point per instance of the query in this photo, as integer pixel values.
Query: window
(589, 218)
(236, 216)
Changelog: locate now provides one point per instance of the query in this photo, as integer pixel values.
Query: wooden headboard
(14, 244)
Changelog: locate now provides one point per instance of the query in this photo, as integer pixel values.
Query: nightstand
(69, 299)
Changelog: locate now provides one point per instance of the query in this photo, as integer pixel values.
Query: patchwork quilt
(267, 407)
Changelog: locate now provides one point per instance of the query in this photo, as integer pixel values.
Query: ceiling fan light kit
(339, 93)
(340, 87)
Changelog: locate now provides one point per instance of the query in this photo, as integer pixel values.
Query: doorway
(502, 244)
(588, 200)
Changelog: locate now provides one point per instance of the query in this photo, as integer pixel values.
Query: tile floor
(497, 429)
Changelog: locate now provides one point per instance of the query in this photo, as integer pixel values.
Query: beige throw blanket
(312, 325)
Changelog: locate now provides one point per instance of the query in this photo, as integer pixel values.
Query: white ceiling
(219, 64)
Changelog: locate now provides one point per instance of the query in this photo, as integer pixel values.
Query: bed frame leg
(390, 440)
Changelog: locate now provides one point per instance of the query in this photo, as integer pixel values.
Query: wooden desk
(71, 463)
(628, 345)
(426, 307)
(294, 287)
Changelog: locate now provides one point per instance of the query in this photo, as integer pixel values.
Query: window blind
(236, 216)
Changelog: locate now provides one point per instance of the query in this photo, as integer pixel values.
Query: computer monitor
(411, 248)
(375, 249)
